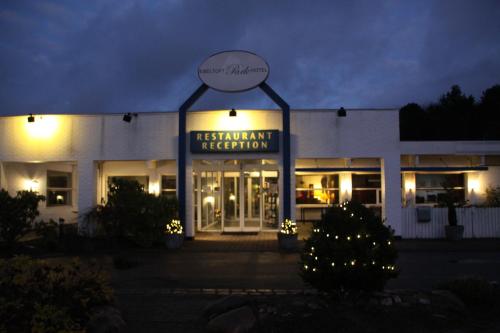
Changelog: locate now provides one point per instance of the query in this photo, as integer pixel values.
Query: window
(430, 187)
(317, 189)
(169, 186)
(366, 189)
(143, 180)
(59, 188)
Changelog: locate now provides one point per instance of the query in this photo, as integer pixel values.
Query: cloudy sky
(124, 55)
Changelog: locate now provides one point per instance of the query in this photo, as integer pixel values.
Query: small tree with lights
(350, 250)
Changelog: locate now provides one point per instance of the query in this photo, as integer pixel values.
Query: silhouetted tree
(489, 109)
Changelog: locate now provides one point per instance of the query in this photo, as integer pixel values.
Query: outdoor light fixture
(232, 113)
(31, 119)
(341, 112)
(128, 117)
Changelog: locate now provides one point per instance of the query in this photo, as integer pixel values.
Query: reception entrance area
(236, 195)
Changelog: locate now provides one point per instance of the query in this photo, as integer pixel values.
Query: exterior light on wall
(410, 186)
(341, 112)
(232, 113)
(31, 119)
(473, 185)
(31, 185)
(128, 117)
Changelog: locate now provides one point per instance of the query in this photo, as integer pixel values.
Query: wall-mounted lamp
(31, 119)
(341, 112)
(232, 113)
(128, 117)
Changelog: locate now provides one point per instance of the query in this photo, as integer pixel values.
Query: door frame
(241, 168)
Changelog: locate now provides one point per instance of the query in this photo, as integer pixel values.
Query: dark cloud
(119, 55)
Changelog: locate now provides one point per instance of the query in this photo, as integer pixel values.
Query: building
(234, 164)
(244, 170)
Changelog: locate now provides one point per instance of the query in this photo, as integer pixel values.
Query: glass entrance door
(237, 197)
(252, 199)
(232, 201)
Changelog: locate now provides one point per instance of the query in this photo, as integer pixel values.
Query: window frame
(68, 190)
(378, 190)
(168, 191)
(437, 189)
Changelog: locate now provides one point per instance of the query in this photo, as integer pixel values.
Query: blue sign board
(251, 141)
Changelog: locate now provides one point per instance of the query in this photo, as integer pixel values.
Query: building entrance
(236, 196)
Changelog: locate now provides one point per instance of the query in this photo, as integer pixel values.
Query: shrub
(17, 214)
(350, 249)
(492, 197)
(132, 213)
(472, 290)
(40, 297)
(48, 233)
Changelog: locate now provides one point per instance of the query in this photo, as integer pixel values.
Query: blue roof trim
(437, 169)
(337, 169)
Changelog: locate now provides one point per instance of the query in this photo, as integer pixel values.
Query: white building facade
(233, 175)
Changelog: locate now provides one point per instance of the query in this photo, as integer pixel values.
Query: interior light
(232, 113)
(341, 112)
(31, 119)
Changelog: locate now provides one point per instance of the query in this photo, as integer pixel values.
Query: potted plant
(173, 234)
(453, 231)
(288, 235)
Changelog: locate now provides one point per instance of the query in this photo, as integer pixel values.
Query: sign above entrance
(254, 141)
(233, 71)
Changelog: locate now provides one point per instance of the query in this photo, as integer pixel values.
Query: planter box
(174, 241)
(288, 242)
(454, 233)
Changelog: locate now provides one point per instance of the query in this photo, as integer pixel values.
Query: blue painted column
(181, 152)
(287, 213)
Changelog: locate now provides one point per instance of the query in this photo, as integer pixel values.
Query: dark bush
(17, 214)
(349, 250)
(48, 233)
(473, 290)
(132, 213)
(36, 296)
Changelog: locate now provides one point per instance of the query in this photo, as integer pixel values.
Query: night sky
(136, 56)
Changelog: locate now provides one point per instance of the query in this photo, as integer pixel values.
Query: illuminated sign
(233, 71)
(252, 141)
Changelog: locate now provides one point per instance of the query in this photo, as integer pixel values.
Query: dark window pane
(55, 198)
(365, 196)
(58, 179)
(168, 182)
(366, 181)
(438, 180)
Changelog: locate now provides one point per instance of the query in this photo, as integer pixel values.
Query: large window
(143, 180)
(59, 188)
(430, 188)
(366, 189)
(168, 186)
(317, 188)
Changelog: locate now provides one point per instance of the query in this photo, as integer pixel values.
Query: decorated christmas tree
(350, 249)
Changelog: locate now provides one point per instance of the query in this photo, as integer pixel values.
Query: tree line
(455, 116)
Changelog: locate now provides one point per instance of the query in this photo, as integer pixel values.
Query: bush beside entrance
(132, 213)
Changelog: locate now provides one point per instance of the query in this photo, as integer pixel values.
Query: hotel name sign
(233, 71)
(251, 141)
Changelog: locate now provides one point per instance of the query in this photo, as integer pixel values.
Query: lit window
(59, 188)
(317, 188)
(169, 186)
